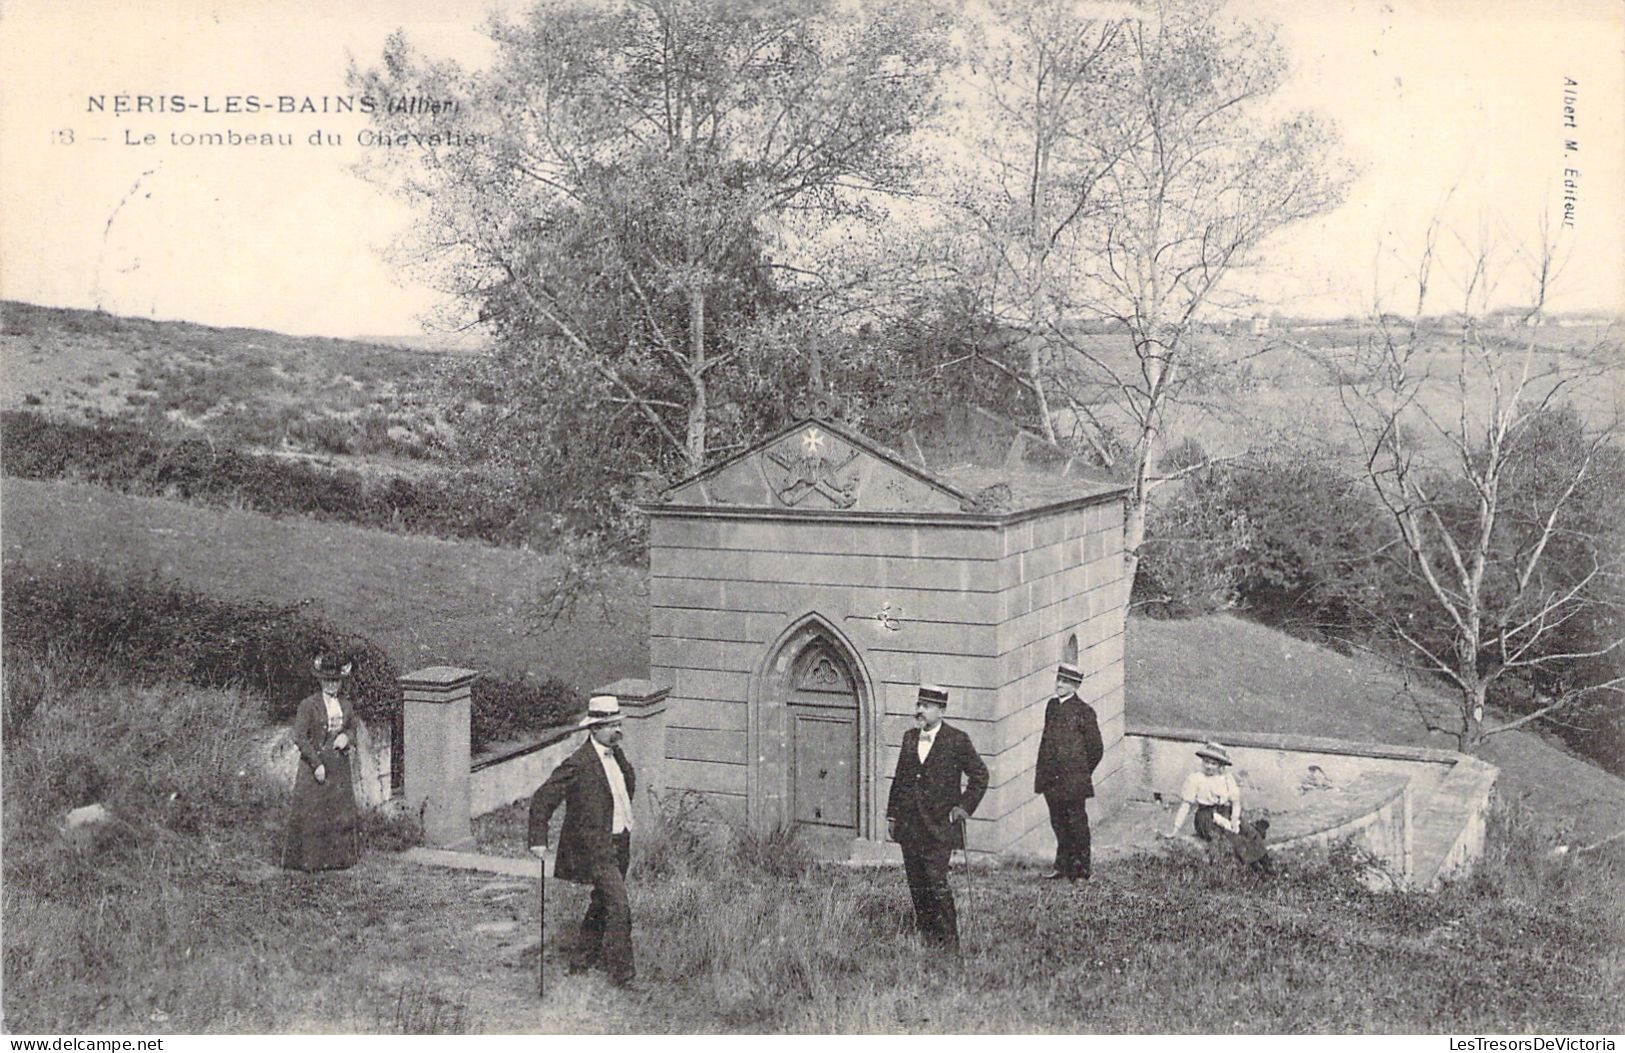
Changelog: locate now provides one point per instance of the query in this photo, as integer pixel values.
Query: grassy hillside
(427, 602)
(384, 405)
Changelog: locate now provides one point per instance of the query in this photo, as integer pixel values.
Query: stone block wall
(1421, 812)
(984, 609)
(499, 780)
(1061, 577)
(1275, 772)
(909, 602)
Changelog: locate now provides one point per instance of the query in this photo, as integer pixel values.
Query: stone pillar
(643, 713)
(435, 723)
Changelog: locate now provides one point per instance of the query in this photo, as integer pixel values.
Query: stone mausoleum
(800, 591)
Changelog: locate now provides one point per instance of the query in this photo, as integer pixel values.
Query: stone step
(1447, 821)
(507, 866)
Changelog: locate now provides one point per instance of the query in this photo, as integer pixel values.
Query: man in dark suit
(1068, 754)
(595, 786)
(927, 810)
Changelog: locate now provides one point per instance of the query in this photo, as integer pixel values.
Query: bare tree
(1138, 168)
(1044, 79)
(1501, 481)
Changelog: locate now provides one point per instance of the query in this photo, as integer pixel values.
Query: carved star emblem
(813, 442)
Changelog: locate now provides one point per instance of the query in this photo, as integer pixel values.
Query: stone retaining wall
(500, 778)
(1421, 812)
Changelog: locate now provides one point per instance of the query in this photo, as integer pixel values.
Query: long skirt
(323, 829)
(1247, 844)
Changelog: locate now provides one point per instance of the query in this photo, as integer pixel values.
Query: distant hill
(436, 343)
(247, 387)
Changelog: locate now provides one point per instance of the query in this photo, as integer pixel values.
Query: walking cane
(541, 927)
(964, 858)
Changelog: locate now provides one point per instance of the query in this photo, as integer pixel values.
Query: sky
(1447, 108)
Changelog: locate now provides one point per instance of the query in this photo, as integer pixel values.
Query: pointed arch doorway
(822, 721)
(811, 738)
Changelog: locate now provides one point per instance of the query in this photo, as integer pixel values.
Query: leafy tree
(634, 177)
(1047, 83)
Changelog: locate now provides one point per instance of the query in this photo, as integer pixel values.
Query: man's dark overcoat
(579, 783)
(922, 796)
(1069, 751)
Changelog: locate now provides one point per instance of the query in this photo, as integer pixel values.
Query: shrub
(157, 459)
(1287, 538)
(150, 630)
(507, 708)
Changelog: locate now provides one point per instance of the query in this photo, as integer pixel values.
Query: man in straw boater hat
(927, 809)
(595, 785)
(1068, 753)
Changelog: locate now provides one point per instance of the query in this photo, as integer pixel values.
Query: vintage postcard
(795, 516)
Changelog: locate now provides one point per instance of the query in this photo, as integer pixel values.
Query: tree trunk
(697, 409)
(1144, 450)
(1034, 373)
(1472, 717)
(1133, 537)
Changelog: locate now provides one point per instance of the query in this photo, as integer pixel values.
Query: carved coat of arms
(812, 462)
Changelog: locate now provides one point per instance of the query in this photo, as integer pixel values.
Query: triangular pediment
(817, 465)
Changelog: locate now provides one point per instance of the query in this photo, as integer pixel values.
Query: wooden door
(823, 728)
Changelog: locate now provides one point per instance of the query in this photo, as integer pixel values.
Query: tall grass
(103, 928)
(759, 937)
(170, 913)
(177, 919)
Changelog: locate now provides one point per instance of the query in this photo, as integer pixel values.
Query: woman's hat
(1214, 752)
(332, 667)
(601, 709)
(932, 694)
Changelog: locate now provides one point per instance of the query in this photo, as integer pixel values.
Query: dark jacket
(921, 796)
(310, 734)
(1069, 751)
(579, 783)
(322, 829)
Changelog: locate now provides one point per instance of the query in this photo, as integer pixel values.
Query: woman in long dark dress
(322, 827)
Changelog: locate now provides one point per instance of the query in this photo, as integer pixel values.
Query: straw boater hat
(601, 709)
(935, 695)
(1214, 752)
(1069, 672)
(332, 667)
